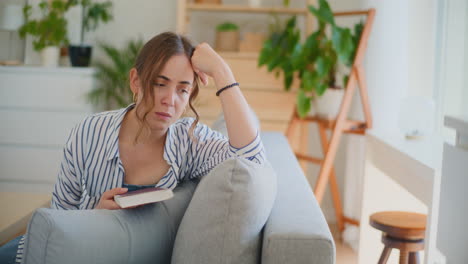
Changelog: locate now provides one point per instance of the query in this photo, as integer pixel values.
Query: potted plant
(49, 31)
(112, 89)
(227, 37)
(91, 15)
(316, 61)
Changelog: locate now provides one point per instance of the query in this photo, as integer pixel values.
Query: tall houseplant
(91, 15)
(316, 61)
(112, 89)
(49, 31)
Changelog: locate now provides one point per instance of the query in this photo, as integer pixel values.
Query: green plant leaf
(345, 80)
(291, 22)
(320, 88)
(309, 80)
(227, 26)
(343, 43)
(303, 104)
(296, 56)
(323, 13)
(288, 79)
(323, 65)
(112, 75)
(265, 53)
(275, 62)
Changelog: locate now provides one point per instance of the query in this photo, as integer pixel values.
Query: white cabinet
(38, 108)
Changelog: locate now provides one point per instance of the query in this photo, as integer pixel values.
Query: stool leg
(385, 254)
(414, 257)
(403, 256)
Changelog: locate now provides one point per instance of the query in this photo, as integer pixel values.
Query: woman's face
(172, 90)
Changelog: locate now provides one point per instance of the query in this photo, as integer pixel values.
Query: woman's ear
(135, 83)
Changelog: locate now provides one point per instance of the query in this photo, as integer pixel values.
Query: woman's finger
(203, 78)
(112, 192)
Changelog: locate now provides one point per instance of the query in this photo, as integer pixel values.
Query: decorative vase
(227, 41)
(80, 56)
(328, 105)
(50, 56)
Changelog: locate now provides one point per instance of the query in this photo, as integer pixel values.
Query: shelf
(245, 9)
(351, 126)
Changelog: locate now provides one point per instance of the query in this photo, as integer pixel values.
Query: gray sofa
(295, 232)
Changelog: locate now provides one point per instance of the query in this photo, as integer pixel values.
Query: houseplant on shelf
(91, 15)
(227, 37)
(112, 89)
(316, 61)
(49, 32)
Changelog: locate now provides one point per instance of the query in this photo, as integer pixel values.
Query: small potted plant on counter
(91, 15)
(49, 31)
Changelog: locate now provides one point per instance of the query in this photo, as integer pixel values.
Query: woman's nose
(168, 97)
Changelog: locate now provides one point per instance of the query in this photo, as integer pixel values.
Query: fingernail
(124, 189)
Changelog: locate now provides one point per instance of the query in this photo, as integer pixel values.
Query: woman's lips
(163, 115)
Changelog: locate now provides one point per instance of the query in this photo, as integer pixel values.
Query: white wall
(400, 64)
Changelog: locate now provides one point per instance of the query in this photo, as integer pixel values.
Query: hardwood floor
(344, 253)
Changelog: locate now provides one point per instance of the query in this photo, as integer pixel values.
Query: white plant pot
(328, 105)
(50, 56)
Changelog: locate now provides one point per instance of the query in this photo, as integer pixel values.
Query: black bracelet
(226, 87)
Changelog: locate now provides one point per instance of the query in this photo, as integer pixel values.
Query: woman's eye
(159, 84)
(183, 90)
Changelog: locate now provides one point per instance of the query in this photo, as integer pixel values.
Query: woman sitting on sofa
(148, 144)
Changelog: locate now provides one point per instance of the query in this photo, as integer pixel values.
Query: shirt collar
(113, 142)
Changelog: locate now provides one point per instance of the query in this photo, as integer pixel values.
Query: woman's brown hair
(150, 62)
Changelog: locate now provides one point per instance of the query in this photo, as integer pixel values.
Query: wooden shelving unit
(276, 107)
(245, 9)
(263, 91)
(184, 8)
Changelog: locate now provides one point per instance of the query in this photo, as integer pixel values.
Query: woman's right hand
(107, 199)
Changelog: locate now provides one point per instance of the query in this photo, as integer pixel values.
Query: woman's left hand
(206, 62)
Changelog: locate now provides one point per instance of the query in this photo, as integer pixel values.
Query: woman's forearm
(240, 123)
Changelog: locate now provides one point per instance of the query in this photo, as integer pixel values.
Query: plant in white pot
(49, 32)
(315, 62)
(91, 15)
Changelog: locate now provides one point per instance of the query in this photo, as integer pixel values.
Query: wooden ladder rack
(338, 126)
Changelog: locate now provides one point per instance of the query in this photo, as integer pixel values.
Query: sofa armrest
(140, 235)
(296, 231)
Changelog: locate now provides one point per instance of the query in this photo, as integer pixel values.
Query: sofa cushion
(141, 235)
(224, 220)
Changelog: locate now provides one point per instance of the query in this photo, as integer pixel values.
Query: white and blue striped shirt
(91, 162)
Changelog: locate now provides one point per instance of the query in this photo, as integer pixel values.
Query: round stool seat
(397, 224)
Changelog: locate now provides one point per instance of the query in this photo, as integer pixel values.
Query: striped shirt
(91, 161)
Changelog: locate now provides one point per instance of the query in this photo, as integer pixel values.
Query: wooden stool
(401, 230)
